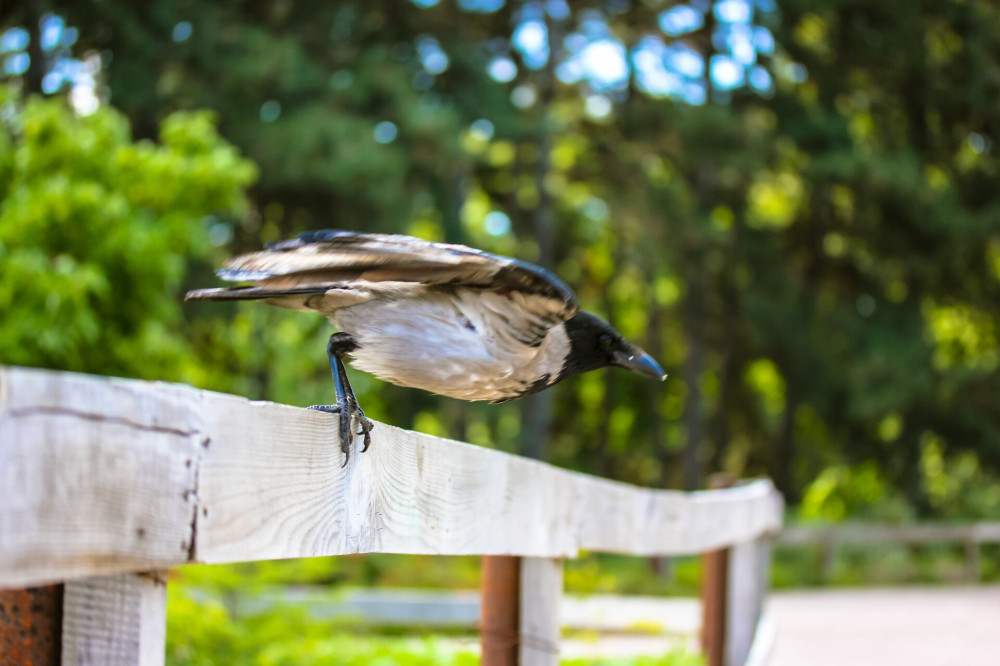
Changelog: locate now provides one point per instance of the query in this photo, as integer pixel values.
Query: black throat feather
(586, 352)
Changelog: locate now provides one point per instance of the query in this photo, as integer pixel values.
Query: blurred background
(792, 204)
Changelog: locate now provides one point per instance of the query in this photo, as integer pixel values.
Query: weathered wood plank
(541, 594)
(103, 476)
(273, 486)
(96, 475)
(115, 621)
(617, 517)
(848, 533)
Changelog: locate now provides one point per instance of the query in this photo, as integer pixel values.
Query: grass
(204, 632)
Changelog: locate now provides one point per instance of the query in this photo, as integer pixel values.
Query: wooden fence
(105, 483)
(830, 537)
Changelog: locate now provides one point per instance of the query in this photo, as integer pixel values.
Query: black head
(594, 344)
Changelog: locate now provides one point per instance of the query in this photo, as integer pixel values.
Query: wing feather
(318, 260)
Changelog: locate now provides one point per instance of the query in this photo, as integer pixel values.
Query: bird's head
(594, 344)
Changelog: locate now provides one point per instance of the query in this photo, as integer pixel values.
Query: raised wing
(318, 260)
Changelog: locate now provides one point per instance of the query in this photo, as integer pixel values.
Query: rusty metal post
(714, 592)
(31, 626)
(499, 613)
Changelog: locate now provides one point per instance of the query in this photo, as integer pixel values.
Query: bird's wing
(321, 260)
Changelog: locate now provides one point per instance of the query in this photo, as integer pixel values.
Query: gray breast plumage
(461, 343)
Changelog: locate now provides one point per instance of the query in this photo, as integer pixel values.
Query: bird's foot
(329, 409)
(346, 415)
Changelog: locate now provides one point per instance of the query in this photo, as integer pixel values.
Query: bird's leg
(364, 423)
(347, 406)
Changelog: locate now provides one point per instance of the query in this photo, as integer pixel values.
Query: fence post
(31, 626)
(519, 612)
(115, 620)
(828, 558)
(715, 574)
(500, 609)
(747, 583)
(541, 592)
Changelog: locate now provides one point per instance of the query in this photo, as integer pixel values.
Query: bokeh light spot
(496, 223)
(481, 130)
(598, 106)
(502, 69)
(523, 96)
(15, 39)
(386, 132)
(270, 111)
(680, 19)
(182, 31)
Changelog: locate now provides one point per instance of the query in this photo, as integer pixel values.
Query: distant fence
(104, 483)
(830, 537)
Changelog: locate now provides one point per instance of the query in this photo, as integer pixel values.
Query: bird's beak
(636, 360)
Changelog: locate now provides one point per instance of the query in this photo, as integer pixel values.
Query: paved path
(928, 626)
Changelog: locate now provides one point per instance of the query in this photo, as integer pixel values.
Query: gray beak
(636, 360)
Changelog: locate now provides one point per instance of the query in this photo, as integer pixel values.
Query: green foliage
(204, 629)
(96, 232)
(376, 570)
(290, 636)
(598, 573)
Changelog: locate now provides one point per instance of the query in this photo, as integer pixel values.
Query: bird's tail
(250, 293)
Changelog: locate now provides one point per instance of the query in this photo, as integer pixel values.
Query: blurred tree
(798, 221)
(96, 232)
(887, 253)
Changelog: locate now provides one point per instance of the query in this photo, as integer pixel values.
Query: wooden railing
(830, 537)
(105, 483)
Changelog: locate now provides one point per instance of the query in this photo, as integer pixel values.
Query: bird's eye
(605, 340)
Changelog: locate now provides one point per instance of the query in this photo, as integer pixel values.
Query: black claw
(365, 428)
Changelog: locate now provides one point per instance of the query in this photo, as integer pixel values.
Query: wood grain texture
(541, 594)
(96, 475)
(617, 517)
(115, 621)
(104, 475)
(273, 486)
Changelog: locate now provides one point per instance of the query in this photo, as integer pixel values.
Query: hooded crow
(447, 319)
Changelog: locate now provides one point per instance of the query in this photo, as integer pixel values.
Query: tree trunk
(694, 368)
(39, 63)
(536, 414)
(728, 379)
(784, 453)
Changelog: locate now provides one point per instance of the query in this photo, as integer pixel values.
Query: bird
(445, 318)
